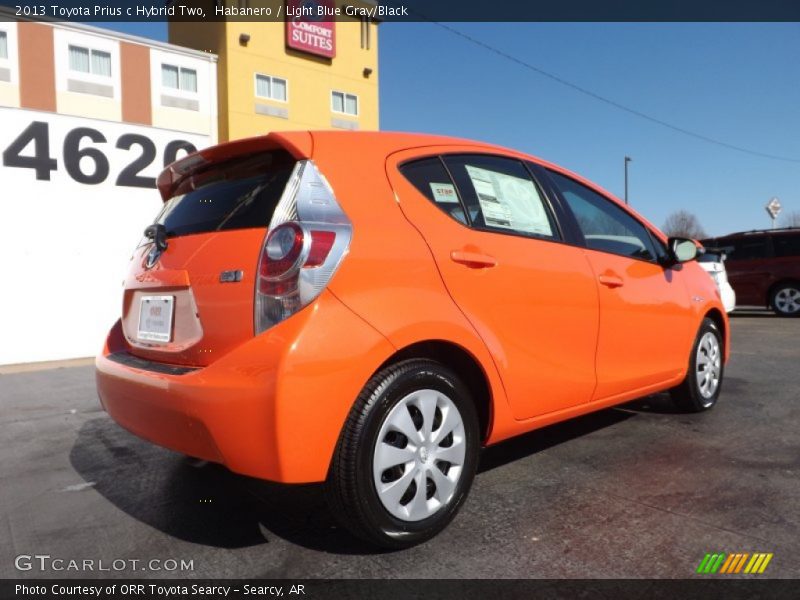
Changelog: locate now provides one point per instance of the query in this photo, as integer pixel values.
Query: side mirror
(682, 249)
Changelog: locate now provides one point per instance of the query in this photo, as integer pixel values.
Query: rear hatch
(711, 260)
(193, 301)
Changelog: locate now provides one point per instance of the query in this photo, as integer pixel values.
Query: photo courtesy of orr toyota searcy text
(160, 591)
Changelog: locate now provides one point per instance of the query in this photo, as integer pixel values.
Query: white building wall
(65, 245)
(78, 188)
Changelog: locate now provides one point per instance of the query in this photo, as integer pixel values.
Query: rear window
(432, 180)
(786, 244)
(748, 248)
(710, 257)
(237, 194)
(501, 196)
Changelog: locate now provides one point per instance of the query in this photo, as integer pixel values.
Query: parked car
(764, 268)
(713, 262)
(369, 309)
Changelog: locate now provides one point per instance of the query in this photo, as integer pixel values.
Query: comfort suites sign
(306, 27)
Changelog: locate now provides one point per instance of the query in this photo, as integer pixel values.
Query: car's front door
(646, 321)
(530, 297)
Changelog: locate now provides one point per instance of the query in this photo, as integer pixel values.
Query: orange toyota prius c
(368, 310)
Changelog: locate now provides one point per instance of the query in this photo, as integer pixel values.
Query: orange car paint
(273, 405)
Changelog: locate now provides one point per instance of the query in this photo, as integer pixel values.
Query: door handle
(611, 281)
(473, 260)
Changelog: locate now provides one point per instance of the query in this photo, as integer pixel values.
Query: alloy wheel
(787, 300)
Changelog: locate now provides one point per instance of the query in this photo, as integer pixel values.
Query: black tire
(689, 396)
(351, 489)
(785, 299)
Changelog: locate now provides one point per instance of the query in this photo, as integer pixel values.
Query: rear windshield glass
(786, 244)
(237, 194)
(710, 257)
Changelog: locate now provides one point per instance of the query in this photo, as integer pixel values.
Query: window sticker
(509, 202)
(444, 192)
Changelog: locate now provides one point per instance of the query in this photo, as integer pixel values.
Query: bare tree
(682, 223)
(791, 219)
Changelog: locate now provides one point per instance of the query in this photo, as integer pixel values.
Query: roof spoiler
(299, 144)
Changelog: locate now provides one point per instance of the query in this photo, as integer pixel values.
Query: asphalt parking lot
(636, 491)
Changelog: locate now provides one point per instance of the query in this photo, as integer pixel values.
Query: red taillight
(282, 251)
(285, 253)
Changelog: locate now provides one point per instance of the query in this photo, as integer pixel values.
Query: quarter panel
(389, 277)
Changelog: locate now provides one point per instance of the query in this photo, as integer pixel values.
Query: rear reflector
(321, 244)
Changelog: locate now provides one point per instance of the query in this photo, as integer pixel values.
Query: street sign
(773, 208)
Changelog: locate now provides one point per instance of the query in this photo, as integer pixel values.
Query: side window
(501, 196)
(749, 248)
(605, 226)
(786, 244)
(431, 179)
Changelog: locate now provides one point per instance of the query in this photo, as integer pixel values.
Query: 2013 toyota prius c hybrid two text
(370, 309)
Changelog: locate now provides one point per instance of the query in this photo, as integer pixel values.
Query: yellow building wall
(89, 105)
(311, 78)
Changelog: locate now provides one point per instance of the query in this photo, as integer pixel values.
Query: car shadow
(207, 504)
(536, 441)
(660, 404)
(200, 502)
(752, 313)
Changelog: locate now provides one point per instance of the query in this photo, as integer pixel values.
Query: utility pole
(627, 160)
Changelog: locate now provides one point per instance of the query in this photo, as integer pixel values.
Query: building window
(273, 88)
(179, 78)
(93, 62)
(3, 44)
(346, 104)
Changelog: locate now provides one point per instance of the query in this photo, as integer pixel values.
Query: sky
(738, 83)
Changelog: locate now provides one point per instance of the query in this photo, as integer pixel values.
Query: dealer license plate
(155, 318)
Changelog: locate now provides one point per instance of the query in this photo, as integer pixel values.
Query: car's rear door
(646, 321)
(530, 296)
(751, 267)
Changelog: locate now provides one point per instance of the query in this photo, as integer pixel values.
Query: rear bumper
(272, 408)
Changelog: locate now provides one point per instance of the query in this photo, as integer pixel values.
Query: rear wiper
(245, 200)
(158, 233)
